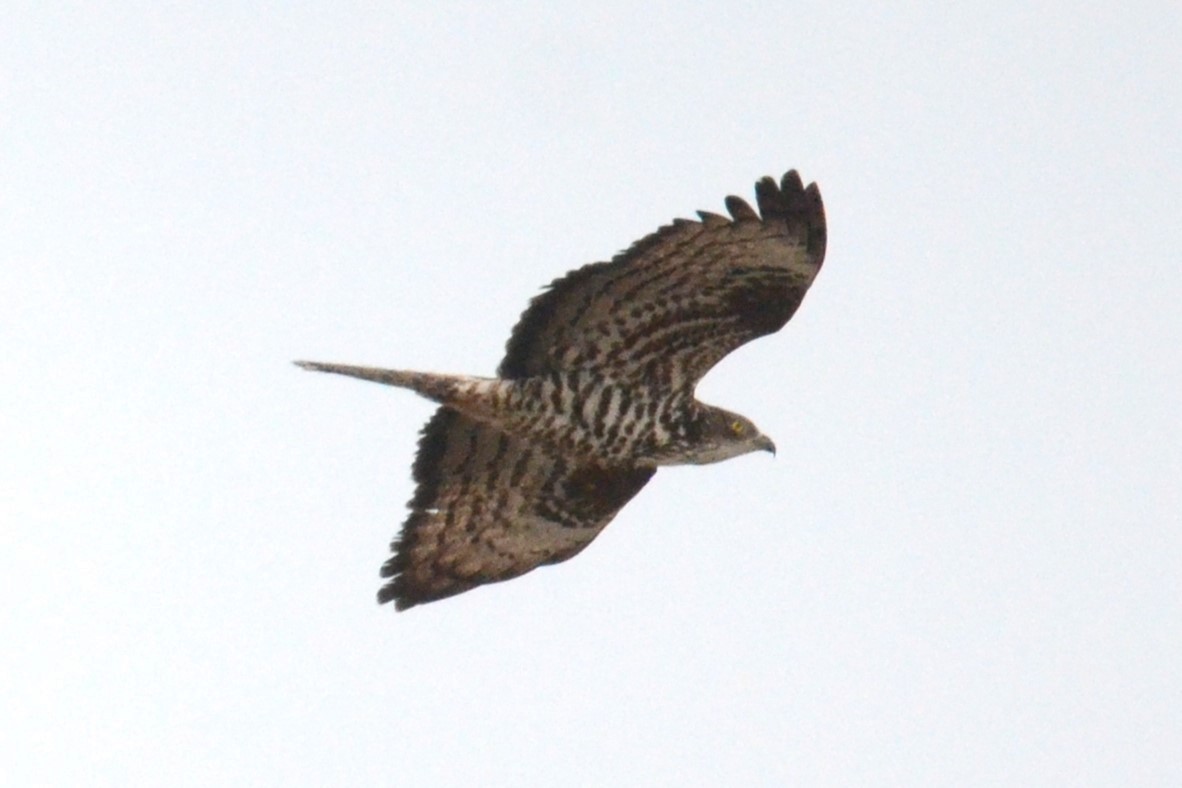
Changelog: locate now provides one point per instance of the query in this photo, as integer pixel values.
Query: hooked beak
(766, 444)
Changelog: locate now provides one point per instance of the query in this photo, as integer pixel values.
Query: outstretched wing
(490, 507)
(669, 308)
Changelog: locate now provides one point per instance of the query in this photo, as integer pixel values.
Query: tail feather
(467, 394)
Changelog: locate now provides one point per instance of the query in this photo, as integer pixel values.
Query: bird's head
(723, 434)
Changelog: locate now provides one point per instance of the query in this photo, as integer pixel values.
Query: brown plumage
(595, 392)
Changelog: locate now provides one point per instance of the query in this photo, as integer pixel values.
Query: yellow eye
(737, 427)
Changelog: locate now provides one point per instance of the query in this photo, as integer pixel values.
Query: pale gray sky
(962, 568)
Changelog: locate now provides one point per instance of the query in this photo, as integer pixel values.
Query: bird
(595, 393)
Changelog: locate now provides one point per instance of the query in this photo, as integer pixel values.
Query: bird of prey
(595, 392)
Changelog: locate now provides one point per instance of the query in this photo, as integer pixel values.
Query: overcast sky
(964, 567)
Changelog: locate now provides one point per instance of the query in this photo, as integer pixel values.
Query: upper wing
(669, 308)
(490, 507)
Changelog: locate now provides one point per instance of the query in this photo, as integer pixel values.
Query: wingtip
(740, 210)
(791, 182)
(388, 594)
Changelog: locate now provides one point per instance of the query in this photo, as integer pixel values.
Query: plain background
(963, 568)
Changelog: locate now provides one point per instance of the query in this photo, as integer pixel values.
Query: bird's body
(575, 413)
(595, 392)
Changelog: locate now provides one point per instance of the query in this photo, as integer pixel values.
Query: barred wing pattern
(674, 304)
(490, 507)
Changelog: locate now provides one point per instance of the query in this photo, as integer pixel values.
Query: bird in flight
(595, 392)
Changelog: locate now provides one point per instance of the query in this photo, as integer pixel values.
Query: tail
(457, 390)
